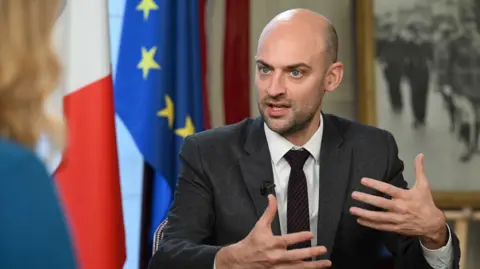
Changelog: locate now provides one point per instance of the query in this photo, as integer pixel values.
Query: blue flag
(158, 87)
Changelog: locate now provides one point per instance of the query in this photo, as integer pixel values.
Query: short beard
(295, 126)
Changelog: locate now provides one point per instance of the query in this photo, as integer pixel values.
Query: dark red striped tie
(298, 217)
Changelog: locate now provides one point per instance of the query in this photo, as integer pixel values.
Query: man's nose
(277, 86)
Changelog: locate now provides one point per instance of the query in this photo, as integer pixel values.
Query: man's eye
(296, 73)
(264, 69)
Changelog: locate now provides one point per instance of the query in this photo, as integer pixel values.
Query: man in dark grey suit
(296, 188)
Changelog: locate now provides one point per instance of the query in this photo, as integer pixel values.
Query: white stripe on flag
(88, 56)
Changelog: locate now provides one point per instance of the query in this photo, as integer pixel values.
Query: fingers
(376, 216)
(383, 187)
(374, 200)
(302, 253)
(317, 264)
(378, 226)
(419, 168)
(306, 265)
(269, 214)
(294, 238)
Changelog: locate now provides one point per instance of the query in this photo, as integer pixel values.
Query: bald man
(297, 188)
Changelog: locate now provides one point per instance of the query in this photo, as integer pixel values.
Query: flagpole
(145, 250)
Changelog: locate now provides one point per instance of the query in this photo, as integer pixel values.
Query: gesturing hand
(410, 212)
(261, 249)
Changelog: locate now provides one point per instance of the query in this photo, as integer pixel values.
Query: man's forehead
(288, 51)
(283, 63)
(290, 43)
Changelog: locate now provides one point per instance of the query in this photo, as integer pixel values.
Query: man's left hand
(410, 212)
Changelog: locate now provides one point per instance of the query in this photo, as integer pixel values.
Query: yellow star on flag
(146, 6)
(148, 62)
(189, 128)
(168, 111)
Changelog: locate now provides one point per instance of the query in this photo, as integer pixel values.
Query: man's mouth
(277, 110)
(277, 106)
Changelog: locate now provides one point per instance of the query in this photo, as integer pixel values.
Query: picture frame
(367, 108)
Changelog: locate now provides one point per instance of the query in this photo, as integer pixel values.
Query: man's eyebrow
(297, 65)
(263, 63)
(289, 67)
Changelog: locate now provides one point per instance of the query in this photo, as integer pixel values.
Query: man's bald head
(296, 66)
(305, 24)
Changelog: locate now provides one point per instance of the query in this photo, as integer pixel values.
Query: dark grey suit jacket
(218, 199)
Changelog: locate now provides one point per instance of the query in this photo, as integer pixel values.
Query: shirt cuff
(215, 262)
(441, 258)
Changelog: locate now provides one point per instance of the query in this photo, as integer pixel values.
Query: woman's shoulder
(14, 156)
(20, 167)
(28, 200)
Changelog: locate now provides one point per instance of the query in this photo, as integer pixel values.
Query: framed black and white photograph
(419, 78)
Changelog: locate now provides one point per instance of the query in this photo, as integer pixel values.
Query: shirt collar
(279, 146)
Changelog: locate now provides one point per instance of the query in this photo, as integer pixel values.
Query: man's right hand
(261, 249)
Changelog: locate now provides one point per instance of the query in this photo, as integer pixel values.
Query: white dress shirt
(439, 259)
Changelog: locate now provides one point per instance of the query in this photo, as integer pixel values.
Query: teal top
(33, 230)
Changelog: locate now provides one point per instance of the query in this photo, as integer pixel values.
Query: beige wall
(341, 102)
(215, 29)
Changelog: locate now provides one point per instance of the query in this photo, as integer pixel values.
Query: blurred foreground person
(33, 230)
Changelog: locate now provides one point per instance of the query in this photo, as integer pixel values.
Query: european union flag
(158, 87)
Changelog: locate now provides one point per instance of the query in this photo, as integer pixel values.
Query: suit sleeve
(33, 228)
(191, 219)
(408, 251)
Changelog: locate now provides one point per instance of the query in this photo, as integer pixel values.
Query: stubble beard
(295, 123)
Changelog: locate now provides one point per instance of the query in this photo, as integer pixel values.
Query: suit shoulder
(359, 131)
(15, 156)
(224, 134)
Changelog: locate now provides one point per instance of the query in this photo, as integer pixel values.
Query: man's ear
(333, 77)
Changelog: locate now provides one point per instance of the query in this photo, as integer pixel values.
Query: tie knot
(297, 158)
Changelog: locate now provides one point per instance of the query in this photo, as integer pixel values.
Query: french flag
(87, 173)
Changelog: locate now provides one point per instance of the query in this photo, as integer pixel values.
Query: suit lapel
(256, 169)
(334, 177)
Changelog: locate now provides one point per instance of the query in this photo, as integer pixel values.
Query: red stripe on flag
(88, 177)
(236, 65)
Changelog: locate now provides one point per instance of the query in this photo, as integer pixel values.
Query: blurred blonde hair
(29, 71)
